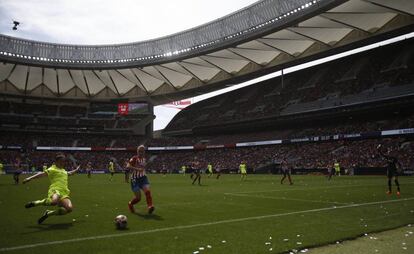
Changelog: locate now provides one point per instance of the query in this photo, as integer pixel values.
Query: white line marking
(283, 198)
(28, 246)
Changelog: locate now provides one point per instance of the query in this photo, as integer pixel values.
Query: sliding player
(139, 180)
(392, 169)
(58, 194)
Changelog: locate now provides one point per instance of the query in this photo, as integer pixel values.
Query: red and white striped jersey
(137, 162)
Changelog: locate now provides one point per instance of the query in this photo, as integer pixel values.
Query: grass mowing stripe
(292, 199)
(317, 188)
(196, 225)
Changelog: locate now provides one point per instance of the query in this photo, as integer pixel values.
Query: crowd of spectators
(128, 140)
(309, 156)
(321, 155)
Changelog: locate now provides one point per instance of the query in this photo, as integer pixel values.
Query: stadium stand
(372, 76)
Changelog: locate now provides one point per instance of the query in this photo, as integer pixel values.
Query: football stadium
(303, 141)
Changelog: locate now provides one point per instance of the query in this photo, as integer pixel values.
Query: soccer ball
(121, 222)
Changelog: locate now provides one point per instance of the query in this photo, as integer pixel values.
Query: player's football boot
(389, 192)
(398, 193)
(151, 209)
(29, 205)
(43, 218)
(131, 207)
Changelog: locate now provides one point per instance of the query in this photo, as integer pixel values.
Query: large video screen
(122, 108)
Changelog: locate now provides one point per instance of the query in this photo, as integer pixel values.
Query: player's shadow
(149, 216)
(49, 227)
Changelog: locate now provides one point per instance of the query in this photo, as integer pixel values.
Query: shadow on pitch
(149, 216)
(49, 227)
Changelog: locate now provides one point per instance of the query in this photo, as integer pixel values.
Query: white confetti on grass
(299, 243)
(196, 252)
(201, 248)
(285, 240)
(209, 247)
(224, 241)
(268, 243)
(304, 250)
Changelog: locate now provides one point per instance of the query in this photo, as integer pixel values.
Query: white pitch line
(28, 246)
(309, 188)
(293, 199)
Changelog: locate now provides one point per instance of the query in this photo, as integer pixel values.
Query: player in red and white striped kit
(139, 180)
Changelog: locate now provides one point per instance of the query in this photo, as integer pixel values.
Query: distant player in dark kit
(218, 171)
(139, 180)
(393, 167)
(89, 169)
(330, 172)
(164, 170)
(285, 171)
(196, 166)
(17, 171)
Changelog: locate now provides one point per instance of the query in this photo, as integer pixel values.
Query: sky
(108, 21)
(100, 22)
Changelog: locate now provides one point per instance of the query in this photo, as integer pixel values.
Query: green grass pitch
(222, 216)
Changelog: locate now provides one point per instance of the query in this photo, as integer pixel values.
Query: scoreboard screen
(121, 108)
(132, 108)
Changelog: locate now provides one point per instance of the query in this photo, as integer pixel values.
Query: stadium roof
(258, 39)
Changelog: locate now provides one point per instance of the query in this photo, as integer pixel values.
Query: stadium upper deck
(264, 37)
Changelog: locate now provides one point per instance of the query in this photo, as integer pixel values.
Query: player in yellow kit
(111, 168)
(243, 170)
(210, 170)
(58, 194)
(337, 168)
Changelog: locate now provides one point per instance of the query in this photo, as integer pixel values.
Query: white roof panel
(261, 57)
(35, 78)
(122, 84)
(50, 79)
(203, 73)
(229, 65)
(18, 77)
(5, 70)
(329, 36)
(79, 80)
(292, 47)
(93, 83)
(65, 81)
(149, 82)
(176, 78)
